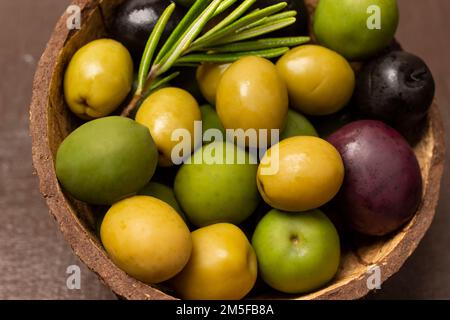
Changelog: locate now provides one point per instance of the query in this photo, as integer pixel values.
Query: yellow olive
(98, 78)
(319, 81)
(163, 112)
(222, 266)
(300, 173)
(252, 95)
(208, 77)
(146, 238)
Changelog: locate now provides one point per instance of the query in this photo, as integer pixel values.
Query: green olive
(210, 120)
(308, 173)
(297, 125)
(208, 78)
(106, 160)
(164, 193)
(98, 78)
(252, 95)
(146, 238)
(165, 111)
(319, 81)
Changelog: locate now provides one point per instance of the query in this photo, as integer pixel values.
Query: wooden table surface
(34, 256)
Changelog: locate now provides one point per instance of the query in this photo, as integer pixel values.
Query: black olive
(397, 88)
(134, 20)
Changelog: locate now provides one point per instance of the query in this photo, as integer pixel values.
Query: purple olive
(383, 185)
(398, 89)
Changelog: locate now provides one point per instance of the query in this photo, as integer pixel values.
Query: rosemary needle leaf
(257, 31)
(231, 57)
(160, 82)
(236, 14)
(188, 65)
(260, 44)
(150, 48)
(224, 6)
(275, 17)
(188, 19)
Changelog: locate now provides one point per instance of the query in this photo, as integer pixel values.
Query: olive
(146, 238)
(252, 95)
(165, 111)
(210, 120)
(356, 29)
(218, 184)
(164, 193)
(223, 265)
(300, 27)
(208, 77)
(297, 125)
(297, 252)
(134, 20)
(98, 78)
(397, 88)
(106, 160)
(319, 81)
(300, 173)
(382, 188)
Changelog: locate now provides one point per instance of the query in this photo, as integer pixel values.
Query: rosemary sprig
(222, 44)
(207, 40)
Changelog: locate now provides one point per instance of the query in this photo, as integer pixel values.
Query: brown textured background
(33, 254)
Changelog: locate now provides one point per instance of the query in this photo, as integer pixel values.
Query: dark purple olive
(382, 187)
(134, 20)
(398, 89)
(299, 28)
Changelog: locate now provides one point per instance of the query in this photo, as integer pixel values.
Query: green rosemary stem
(150, 48)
